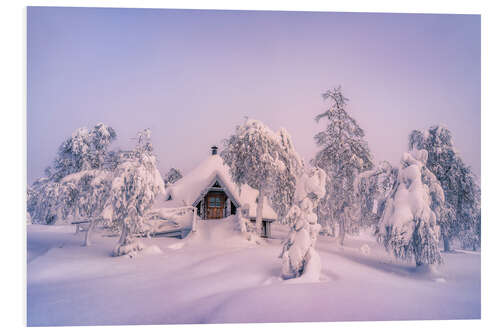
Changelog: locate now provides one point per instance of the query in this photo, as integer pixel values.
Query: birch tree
(262, 159)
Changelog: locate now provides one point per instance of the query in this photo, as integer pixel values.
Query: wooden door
(215, 205)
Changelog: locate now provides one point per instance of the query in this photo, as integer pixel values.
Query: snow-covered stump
(299, 258)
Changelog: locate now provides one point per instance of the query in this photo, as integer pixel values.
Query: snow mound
(152, 250)
(223, 232)
(176, 246)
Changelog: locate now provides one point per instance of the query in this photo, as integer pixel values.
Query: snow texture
(220, 277)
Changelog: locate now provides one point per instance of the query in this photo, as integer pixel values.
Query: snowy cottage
(210, 189)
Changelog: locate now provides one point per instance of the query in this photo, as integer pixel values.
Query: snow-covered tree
(86, 149)
(172, 176)
(299, 258)
(136, 184)
(344, 154)
(372, 188)
(53, 199)
(462, 217)
(262, 159)
(88, 196)
(284, 183)
(408, 227)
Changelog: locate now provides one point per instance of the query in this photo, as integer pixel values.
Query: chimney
(214, 150)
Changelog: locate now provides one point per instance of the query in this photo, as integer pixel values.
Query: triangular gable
(217, 182)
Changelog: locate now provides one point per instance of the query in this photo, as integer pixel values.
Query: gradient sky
(192, 76)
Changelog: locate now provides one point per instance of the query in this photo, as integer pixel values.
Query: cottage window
(214, 202)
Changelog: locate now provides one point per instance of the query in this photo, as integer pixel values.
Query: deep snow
(217, 276)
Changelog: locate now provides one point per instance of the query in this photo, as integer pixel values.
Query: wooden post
(195, 220)
(228, 207)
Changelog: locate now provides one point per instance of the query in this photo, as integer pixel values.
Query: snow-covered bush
(299, 258)
(408, 227)
(172, 176)
(264, 160)
(462, 217)
(135, 186)
(344, 154)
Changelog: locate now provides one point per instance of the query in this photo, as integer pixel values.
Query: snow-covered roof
(187, 190)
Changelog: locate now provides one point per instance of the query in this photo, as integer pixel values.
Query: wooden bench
(179, 233)
(80, 225)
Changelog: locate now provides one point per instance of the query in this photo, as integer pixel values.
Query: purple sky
(191, 76)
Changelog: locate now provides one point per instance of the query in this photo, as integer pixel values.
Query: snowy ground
(218, 277)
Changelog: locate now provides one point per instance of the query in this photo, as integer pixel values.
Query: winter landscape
(164, 210)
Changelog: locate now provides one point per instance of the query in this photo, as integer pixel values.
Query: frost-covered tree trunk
(341, 219)
(446, 243)
(260, 207)
(127, 244)
(89, 232)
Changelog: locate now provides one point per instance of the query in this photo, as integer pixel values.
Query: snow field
(217, 276)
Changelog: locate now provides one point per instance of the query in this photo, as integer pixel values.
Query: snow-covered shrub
(344, 154)
(172, 176)
(264, 160)
(135, 186)
(299, 258)
(408, 227)
(461, 219)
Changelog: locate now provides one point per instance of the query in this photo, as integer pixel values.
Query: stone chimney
(214, 150)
